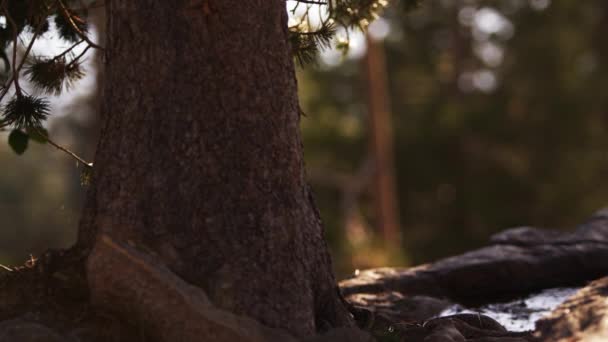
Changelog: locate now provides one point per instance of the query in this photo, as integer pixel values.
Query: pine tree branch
(14, 62)
(65, 13)
(15, 78)
(70, 49)
(56, 145)
(16, 70)
(75, 60)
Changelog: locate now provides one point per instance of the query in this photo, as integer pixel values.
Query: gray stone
(342, 335)
(445, 332)
(520, 261)
(399, 307)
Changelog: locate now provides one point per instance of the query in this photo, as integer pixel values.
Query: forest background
(498, 114)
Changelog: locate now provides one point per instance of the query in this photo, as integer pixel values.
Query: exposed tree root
(135, 284)
(51, 291)
(130, 296)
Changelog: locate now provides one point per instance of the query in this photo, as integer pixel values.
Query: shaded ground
(48, 299)
(520, 314)
(517, 262)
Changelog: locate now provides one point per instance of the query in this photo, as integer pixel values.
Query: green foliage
(18, 141)
(39, 135)
(37, 13)
(85, 175)
(356, 13)
(306, 42)
(21, 14)
(305, 45)
(70, 26)
(52, 74)
(25, 111)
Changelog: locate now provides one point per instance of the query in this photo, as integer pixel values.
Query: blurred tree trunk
(381, 144)
(200, 158)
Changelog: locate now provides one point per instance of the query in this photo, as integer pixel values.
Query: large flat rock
(517, 261)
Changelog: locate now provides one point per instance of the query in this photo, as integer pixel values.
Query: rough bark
(200, 158)
(164, 305)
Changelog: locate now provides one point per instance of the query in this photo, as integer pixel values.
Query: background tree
(499, 120)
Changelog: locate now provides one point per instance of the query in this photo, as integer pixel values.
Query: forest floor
(48, 298)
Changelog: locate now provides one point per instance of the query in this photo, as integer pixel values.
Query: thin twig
(68, 50)
(64, 149)
(57, 146)
(310, 33)
(75, 60)
(312, 2)
(15, 41)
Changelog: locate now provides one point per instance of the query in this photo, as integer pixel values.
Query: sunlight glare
(540, 5)
(487, 21)
(379, 29)
(490, 53)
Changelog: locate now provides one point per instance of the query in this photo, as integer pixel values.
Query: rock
(517, 261)
(445, 332)
(582, 317)
(342, 335)
(17, 330)
(461, 327)
(498, 339)
(594, 230)
(520, 261)
(475, 326)
(398, 307)
(526, 236)
(473, 322)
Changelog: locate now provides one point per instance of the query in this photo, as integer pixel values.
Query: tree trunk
(200, 158)
(381, 145)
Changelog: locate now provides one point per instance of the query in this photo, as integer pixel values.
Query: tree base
(49, 296)
(131, 296)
